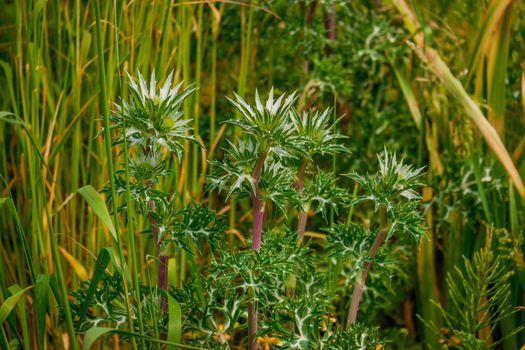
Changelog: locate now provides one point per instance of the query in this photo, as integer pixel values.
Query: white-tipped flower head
(153, 115)
(270, 123)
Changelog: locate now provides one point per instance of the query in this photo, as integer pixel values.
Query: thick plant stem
(361, 279)
(258, 217)
(162, 263)
(303, 215)
(257, 205)
(252, 326)
(301, 225)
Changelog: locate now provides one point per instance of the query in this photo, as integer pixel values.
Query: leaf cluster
(393, 188)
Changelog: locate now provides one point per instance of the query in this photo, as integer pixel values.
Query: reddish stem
(301, 225)
(162, 264)
(258, 217)
(360, 282)
(258, 207)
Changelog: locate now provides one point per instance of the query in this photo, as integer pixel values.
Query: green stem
(109, 155)
(129, 202)
(198, 69)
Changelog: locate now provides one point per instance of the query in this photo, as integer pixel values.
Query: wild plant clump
(277, 292)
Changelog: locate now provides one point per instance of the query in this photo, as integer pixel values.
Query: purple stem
(258, 217)
(162, 264)
(360, 282)
(301, 225)
(258, 207)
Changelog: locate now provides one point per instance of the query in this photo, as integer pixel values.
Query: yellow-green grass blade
(493, 16)
(408, 93)
(174, 310)
(10, 205)
(10, 303)
(97, 204)
(497, 71)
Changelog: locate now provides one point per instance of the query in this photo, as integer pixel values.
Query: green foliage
(359, 336)
(190, 226)
(275, 166)
(351, 241)
(262, 271)
(479, 300)
(323, 194)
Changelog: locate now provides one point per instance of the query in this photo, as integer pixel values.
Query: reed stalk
(109, 154)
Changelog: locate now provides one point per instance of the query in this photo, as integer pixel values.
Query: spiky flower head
(270, 124)
(319, 134)
(153, 116)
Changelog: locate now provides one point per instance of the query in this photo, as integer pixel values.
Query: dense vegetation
(262, 174)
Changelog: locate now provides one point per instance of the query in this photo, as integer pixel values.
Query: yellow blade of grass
(80, 270)
(453, 85)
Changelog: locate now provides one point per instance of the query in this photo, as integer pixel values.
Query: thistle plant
(317, 131)
(154, 131)
(254, 167)
(392, 192)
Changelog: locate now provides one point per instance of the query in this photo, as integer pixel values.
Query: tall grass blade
(8, 202)
(41, 302)
(97, 204)
(408, 93)
(174, 322)
(11, 302)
